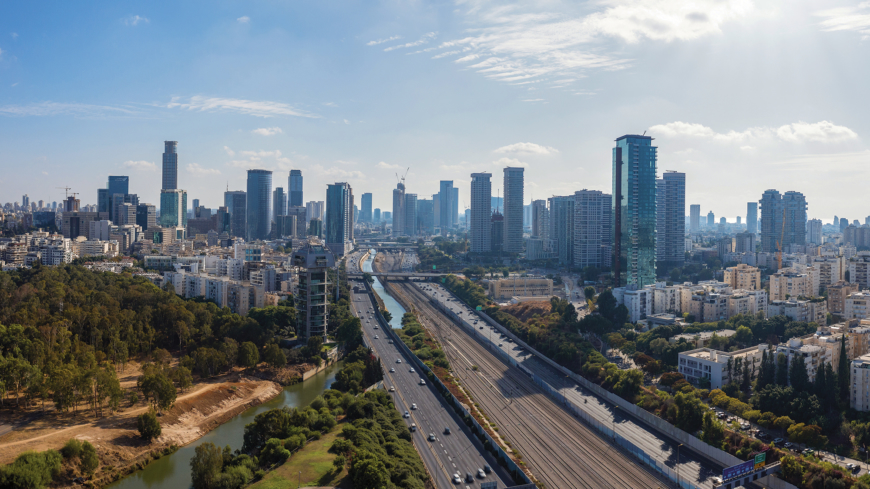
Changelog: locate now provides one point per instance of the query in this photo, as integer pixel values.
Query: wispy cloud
(197, 169)
(381, 41)
(267, 131)
(386, 166)
(14, 35)
(244, 19)
(423, 40)
(510, 162)
(229, 151)
(855, 18)
(136, 20)
(533, 100)
(140, 165)
(60, 108)
(798, 132)
(256, 108)
(267, 160)
(526, 148)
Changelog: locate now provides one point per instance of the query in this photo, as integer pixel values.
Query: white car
(376, 336)
(422, 382)
(392, 370)
(406, 415)
(413, 407)
(412, 370)
(392, 389)
(398, 360)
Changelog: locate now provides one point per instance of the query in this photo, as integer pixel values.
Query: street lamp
(678, 464)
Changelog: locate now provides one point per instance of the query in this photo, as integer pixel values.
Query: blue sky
(741, 95)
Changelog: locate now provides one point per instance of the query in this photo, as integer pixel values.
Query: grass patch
(313, 460)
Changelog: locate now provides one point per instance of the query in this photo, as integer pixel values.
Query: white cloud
(510, 162)
(267, 160)
(337, 173)
(465, 59)
(386, 166)
(59, 108)
(527, 148)
(533, 100)
(140, 165)
(229, 151)
(823, 132)
(14, 35)
(330, 104)
(256, 108)
(847, 19)
(381, 41)
(244, 19)
(136, 20)
(197, 169)
(267, 131)
(423, 40)
(446, 53)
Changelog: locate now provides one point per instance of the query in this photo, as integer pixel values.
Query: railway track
(560, 451)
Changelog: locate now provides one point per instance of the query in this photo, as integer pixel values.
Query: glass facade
(236, 202)
(119, 185)
(294, 184)
(173, 208)
(365, 214)
(170, 165)
(279, 202)
(259, 205)
(339, 218)
(634, 211)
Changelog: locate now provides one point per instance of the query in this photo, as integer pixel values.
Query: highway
(692, 468)
(459, 452)
(559, 449)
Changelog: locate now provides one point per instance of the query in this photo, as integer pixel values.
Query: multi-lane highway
(458, 452)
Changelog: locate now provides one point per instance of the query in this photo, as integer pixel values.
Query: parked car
(778, 441)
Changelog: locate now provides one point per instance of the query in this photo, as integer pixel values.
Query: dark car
(469, 477)
(446, 431)
(487, 469)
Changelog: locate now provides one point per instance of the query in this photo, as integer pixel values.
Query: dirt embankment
(116, 438)
(526, 310)
(289, 375)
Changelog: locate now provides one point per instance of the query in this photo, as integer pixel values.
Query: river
(394, 307)
(174, 470)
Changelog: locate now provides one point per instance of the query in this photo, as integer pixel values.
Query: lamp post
(678, 464)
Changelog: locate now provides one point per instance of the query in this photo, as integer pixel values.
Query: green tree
(798, 374)
(743, 335)
(149, 425)
(606, 304)
(157, 388)
(386, 314)
(274, 356)
(713, 432)
(249, 356)
(843, 372)
(206, 466)
(230, 348)
(31, 470)
(589, 293)
(89, 459)
(781, 369)
(782, 423)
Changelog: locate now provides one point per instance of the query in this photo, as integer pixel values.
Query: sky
(741, 95)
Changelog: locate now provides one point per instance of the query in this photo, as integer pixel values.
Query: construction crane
(402, 178)
(66, 190)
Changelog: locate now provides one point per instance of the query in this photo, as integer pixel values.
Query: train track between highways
(559, 450)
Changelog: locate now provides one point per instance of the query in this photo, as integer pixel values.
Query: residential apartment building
(592, 229)
(829, 269)
(859, 398)
(707, 365)
(743, 277)
(855, 305)
(513, 210)
(813, 355)
(799, 310)
(671, 220)
(634, 205)
(837, 294)
(859, 269)
(794, 282)
(639, 301)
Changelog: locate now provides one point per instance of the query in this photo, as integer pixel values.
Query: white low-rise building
(856, 306)
(706, 363)
(805, 311)
(859, 398)
(639, 302)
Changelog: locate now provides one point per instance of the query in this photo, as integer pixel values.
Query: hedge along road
(174, 470)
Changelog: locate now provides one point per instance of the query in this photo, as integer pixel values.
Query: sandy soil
(202, 408)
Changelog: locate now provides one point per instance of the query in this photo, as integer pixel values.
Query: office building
(455, 206)
(513, 210)
(561, 231)
(376, 216)
(315, 228)
(173, 208)
(224, 221)
(592, 229)
(315, 209)
(814, 231)
(711, 220)
(410, 210)
(339, 218)
(236, 202)
(783, 219)
(540, 220)
(752, 217)
(671, 220)
(399, 210)
(294, 184)
(258, 223)
(634, 205)
(365, 213)
(445, 201)
(425, 217)
(195, 206)
(480, 234)
(279, 202)
(695, 218)
(170, 166)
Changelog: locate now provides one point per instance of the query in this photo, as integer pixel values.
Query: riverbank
(120, 448)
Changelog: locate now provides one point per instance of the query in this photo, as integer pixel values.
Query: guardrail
(711, 453)
(476, 429)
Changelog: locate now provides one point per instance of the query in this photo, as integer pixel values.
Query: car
(422, 382)
(500, 344)
(376, 326)
(431, 436)
(487, 469)
(413, 427)
(851, 467)
(481, 474)
(413, 407)
(376, 336)
(412, 370)
(398, 360)
(481, 327)
(406, 415)
(457, 479)
(469, 477)
(391, 342)
(392, 389)
(788, 444)
(392, 370)
(778, 441)
(510, 340)
(717, 481)
(446, 431)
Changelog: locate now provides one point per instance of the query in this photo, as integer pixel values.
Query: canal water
(394, 307)
(174, 470)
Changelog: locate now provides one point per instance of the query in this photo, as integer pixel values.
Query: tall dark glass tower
(236, 202)
(634, 211)
(259, 205)
(170, 165)
(365, 212)
(294, 186)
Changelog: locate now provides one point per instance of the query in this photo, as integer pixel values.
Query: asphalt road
(693, 468)
(459, 452)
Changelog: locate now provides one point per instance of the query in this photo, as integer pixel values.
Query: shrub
(31, 470)
(89, 459)
(72, 449)
(149, 425)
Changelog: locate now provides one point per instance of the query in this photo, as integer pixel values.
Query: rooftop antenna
(644, 133)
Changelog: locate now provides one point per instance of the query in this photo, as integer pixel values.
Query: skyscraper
(592, 229)
(294, 184)
(695, 218)
(118, 185)
(425, 217)
(711, 220)
(146, 216)
(279, 202)
(236, 202)
(496, 239)
(410, 209)
(561, 230)
(339, 218)
(783, 219)
(814, 231)
(399, 209)
(445, 201)
(365, 214)
(752, 217)
(481, 197)
(170, 166)
(376, 216)
(259, 205)
(173, 208)
(513, 210)
(455, 206)
(634, 206)
(540, 220)
(671, 220)
(195, 205)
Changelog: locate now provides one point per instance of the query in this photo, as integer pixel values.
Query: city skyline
(710, 120)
